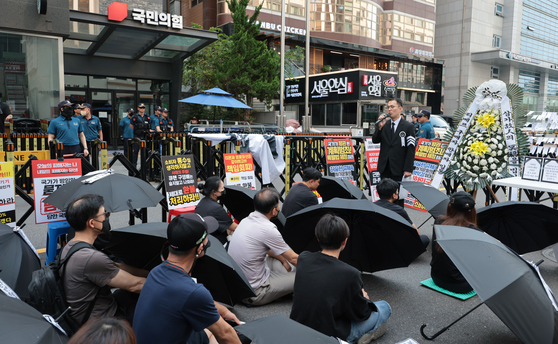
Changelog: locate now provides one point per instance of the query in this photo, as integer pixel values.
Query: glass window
(112, 83)
(529, 81)
(75, 80)
(496, 41)
(349, 113)
(499, 9)
(333, 114)
(30, 79)
(318, 114)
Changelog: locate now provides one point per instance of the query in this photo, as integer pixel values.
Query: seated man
(89, 274)
(388, 191)
(328, 293)
(260, 251)
(300, 195)
(172, 305)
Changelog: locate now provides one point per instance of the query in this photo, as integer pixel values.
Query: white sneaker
(368, 337)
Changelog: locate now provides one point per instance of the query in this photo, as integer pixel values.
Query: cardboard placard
(372, 156)
(7, 194)
(340, 158)
(239, 170)
(180, 177)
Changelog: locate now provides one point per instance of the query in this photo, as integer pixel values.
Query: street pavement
(412, 304)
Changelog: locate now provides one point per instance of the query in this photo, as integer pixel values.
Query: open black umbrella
(509, 285)
(380, 239)
(522, 226)
(332, 187)
(18, 260)
(120, 192)
(23, 324)
(141, 246)
(278, 329)
(434, 200)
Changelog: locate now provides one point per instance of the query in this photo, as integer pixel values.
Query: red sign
(117, 11)
(14, 67)
(339, 151)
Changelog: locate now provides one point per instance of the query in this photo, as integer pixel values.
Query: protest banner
(180, 177)
(428, 154)
(48, 176)
(7, 194)
(372, 156)
(340, 159)
(239, 170)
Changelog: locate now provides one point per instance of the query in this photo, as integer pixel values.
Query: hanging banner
(7, 194)
(372, 156)
(48, 176)
(180, 177)
(340, 158)
(428, 154)
(239, 170)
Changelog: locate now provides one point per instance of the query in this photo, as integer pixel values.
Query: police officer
(156, 119)
(166, 124)
(426, 130)
(91, 125)
(126, 130)
(68, 130)
(141, 125)
(5, 114)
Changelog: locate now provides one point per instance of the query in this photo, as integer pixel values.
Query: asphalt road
(412, 304)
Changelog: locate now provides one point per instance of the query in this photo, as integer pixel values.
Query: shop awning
(93, 34)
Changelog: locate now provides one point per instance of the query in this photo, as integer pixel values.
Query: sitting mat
(430, 284)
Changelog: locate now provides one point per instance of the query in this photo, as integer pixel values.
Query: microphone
(382, 118)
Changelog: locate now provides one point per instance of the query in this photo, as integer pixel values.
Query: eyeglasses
(106, 213)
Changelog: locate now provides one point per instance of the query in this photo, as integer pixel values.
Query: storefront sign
(421, 52)
(7, 194)
(180, 177)
(48, 176)
(522, 58)
(14, 67)
(322, 88)
(239, 169)
(293, 91)
(118, 11)
(372, 156)
(277, 27)
(339, 158)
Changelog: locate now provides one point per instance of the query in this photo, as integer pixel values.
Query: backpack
(46, 292)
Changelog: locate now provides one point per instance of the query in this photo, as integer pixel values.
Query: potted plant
(326, 68)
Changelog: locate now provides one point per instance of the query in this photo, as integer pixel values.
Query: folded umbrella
(522, 226)
(509, 285)
(120, 192)
(434, 200)
(332, 187)
(380, 239)
(23, 324)
(18, 260)
(278, 329)
(142, 245)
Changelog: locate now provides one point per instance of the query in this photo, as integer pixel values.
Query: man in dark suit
(397, 139)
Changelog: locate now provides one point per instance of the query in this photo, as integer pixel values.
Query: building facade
(392, 36)
(515, 41)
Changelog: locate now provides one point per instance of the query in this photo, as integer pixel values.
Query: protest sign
(372, 155)
(428, 154)
(48, 176)
(180, 177)
(7, 194)
(340, 158)
(239, 169)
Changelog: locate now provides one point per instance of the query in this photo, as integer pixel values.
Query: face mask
(83, 113)
(67, 112)
(223, 193)
(106, 226)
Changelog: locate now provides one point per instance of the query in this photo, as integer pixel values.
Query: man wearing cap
(260, 251)
(5, 114)
(126, 131)
(91, 125)
(141, 124)
(156, 119)
(68, 130)
(426, 130)
(172, 307)
(166, 123)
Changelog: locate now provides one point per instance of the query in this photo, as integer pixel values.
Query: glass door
(101, 106)
(122, 102)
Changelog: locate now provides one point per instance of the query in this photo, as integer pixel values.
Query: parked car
(440, 126)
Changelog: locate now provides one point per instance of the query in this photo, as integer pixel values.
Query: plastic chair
(55, 230)
(177, 211)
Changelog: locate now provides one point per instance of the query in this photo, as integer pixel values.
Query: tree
(252, 69)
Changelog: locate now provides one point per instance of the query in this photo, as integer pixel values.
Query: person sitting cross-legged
(328, 293)
(388, 191)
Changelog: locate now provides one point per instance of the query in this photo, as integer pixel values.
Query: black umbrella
(278, 329)
(509, 285)
(18, 260)
(434, 200)
(141, 246)
(380, 239)
(332, 187)
(120, 192)
(23, 324)
(239, 201)
(522, 226)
